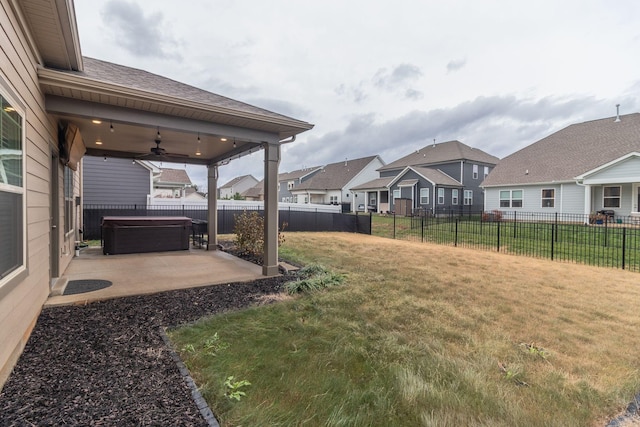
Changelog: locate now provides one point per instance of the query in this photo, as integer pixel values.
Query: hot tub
(137, 234)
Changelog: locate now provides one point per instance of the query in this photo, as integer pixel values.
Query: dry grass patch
(430, 335)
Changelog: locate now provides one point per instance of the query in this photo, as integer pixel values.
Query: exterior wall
(114, 182)
(368, 173)
(625, 171)
(21, 299)
(626, 202)
(239, 187)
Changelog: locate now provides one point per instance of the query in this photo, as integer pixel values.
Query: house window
(468, 197)
(333, 200)
(424, 196)
(486, 171)
(454, 196)
(611, 197)
(11, 189)
(372, 200)
(396, 194)
(68, 200)
(548, 197)
(475, 171)
(290, 185)
(441, 196)
(511, 198)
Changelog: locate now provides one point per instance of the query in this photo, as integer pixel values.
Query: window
(611, 197)
(510, 198)
(475, 171)
(333, 200)
(424, 196)
(68, 199)
(468, 197)
(548, 197)
(372, 200)
(290, 184)
(396, 194)
(11, 188)
(441, 196)
(454, 196)
(486, 171)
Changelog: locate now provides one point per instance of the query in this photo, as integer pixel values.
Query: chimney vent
(617, 113)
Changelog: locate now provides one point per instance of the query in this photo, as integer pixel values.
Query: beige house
(56, 104)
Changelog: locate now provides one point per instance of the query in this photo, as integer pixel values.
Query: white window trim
(441, 196)
(511, 199)
(470, 198)
(426, 190)
(455, 196)
(616, 197)
(15, 277)
(542, 198)
(475, 171)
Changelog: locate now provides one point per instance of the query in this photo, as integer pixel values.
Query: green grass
(594, 245)
(464, 338)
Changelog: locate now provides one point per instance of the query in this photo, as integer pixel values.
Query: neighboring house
(438, 178)
(583, 168)
(55, 106)
(291, 180)
(237, 185)
(190, 193)
(171, 183)
(333, 183)
(255, 193)
(113, 181)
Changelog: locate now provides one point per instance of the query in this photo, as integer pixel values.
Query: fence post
(498, 235)
(422, 228)
(456, 238)
(624, 245)
(394, 226)
(356, 220)
(515, 224)
(556, 223)
(370, 223)
(552, 238)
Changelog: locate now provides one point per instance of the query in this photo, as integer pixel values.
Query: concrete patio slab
(137, 274)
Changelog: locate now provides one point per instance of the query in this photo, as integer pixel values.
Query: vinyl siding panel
(114, 182)
(21, 300)
(625, 171)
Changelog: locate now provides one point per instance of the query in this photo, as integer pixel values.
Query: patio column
(587, 202)
(212, 206)
(271, 162)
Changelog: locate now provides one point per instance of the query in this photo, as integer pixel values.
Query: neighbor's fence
(606, 241)
(291, 218)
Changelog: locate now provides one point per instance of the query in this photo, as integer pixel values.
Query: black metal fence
(289, 219)
(601, 240)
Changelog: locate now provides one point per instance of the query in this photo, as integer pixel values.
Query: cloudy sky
(382, 77)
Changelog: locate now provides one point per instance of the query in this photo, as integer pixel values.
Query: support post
(212, 207)
(587, 203)
(271, 162)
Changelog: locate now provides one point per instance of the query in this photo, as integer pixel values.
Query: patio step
(287, 268)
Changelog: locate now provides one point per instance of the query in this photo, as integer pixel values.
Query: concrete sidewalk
(137, 274)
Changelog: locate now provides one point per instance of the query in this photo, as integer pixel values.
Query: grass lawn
(421, 334)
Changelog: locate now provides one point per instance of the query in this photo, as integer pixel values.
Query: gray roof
(255, 191)
(441, 153)
(237, 179)
(297, 174)
(173, 176)
(103, 71)
(437, 176)
(570, 152)
(375, 184)
(335, 176)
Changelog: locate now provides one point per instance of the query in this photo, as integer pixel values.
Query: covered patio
(115, 111)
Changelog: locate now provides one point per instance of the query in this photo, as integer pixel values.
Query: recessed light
(98, 142)
(198, 153)
(223, 139)
(96, 121)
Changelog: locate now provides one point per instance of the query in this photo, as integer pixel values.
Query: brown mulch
(106, 363)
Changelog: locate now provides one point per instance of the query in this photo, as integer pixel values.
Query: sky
(382, 77)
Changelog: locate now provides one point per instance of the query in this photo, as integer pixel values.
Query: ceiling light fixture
(198, 137)
(98, 142)
(158, 136)
(96, 121)
(234, 143)
(223, 139)
(111, 129)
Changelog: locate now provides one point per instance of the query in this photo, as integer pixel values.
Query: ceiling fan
(158, 151)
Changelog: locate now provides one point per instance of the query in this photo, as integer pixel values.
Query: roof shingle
(335, 176)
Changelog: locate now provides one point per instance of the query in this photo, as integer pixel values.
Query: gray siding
(115, 182)
(627, 170)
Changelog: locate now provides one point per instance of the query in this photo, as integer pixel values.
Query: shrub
(249, 231)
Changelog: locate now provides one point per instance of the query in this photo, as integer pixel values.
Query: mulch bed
(105, 363)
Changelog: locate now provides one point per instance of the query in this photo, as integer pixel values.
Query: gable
(624, 170)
